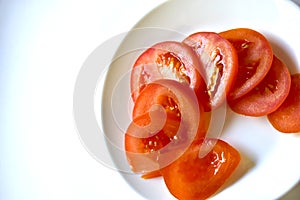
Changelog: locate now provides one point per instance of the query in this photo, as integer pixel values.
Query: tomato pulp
(138, 145)
(160, 94)
(166, 60)
(268, 95)
(219, 62)
(255, 56)
(157, 141)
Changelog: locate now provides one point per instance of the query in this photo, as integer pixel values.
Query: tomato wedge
(166, 60)
(255, 57)
(191, 177)
(219, 60)
(286, 118)
(173, 122)
(268, 95)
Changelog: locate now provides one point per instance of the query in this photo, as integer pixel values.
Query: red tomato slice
(166, 60)
(219, 60)
(155, 94)
(145, 145)
(154, 141)
(191, 177)
(255, 57)
(161, 93)
(179, 103)
(268, 95)
(286, 118)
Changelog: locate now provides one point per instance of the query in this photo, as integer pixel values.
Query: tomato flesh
(255, 57)
(155, 141)
(191, 177)
(139, 149)
(184, 122)
(152, 95)
(219, 63)
(268, 95)
(286, 118)
(166, 60)
(157, 94)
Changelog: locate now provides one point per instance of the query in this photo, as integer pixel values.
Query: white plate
(270, 165)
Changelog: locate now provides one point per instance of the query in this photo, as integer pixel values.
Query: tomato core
(171, 65)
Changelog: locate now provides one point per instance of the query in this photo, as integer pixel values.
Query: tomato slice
(166, 60)
(219, 60)
(155, 94)
(179, 104)
(255, 57)
(191, 177)
(286, 118)
(160, 93)
(268, 95)
(151, 141)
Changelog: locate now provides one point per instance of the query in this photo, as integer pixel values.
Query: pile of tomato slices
(175, 86)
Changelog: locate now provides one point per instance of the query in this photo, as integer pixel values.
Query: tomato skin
(219, 63)
(286, 118)
(255, 57)
(153, 174)
(268, 95)
(191, 177)
(166, 60)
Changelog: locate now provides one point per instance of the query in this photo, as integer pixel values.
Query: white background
(42, 47)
